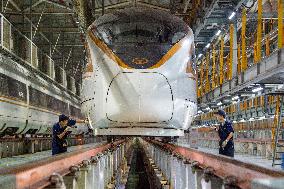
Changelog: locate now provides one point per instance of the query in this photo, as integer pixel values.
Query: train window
(49, 102)
(65, 108)
(76, 112)
(42, 100)
(55, 105)
(4, 85)
(37, 98)
(140, 38)
(17, 89)
(34, 96)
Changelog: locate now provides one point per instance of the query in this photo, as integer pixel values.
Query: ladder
(277, 130)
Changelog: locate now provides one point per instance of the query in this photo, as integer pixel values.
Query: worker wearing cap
(59, 134)
(225, 132)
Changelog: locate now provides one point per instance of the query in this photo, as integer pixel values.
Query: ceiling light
(218, 32)
(219, 103)
(199, 112)
(280, 86)
(242, 120)
(261, 118)
(235, 98)
(232, 15)
(257, 89)
(200, 55)
(208, 45)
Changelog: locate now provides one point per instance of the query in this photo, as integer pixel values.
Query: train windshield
(140, 33)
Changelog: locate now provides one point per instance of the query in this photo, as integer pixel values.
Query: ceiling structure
(58, 26)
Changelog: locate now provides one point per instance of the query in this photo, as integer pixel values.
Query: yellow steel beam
(275, 121)
(280, 24)
(243, 34)
(259, 31)
(221, 61)
(207, 85)
(201, 78)
(255, 53)
(213, 67)
(239, 58)
(267, 45)
(230, 65)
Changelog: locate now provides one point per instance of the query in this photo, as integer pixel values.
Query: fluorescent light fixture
(208, 45)
(242, 120)
(200, 55)
(199, 112)
(232, 15)
(280, 86)
(251, 119)
(208, 108)
(261, 118)
(235, 98)
(219, 103)
(234, 121)
(218, 32)
(257, 89)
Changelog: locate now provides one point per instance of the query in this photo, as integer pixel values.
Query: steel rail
(223, 167)
(36, 174)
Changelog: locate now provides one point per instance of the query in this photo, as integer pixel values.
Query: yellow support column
(275, 121)
(239, 59)
(259, 31)
(243, 34)
(207, 85)
(267, 45)
(201, 78)
(280, 24)
(255, 53)
(213, 67)
(197, 82)
(221, 61)
(230, 65)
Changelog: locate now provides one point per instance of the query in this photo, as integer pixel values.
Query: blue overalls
(57, 143)
(224, 131)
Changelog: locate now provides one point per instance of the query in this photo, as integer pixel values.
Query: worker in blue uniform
(59, 134)
(225, 132)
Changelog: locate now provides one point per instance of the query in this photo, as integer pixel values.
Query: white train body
(136, 86)
(30, 104)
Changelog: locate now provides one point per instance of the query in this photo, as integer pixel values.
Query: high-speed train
(30, 104)
(140, 78)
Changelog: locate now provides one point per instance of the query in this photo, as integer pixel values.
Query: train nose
(139, 97)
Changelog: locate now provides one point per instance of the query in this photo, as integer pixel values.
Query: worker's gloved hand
(68, 128)
(224, 143)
